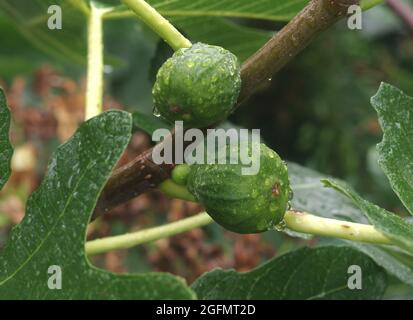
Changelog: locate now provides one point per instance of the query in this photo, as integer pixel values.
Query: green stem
(94, 86)
(158, 24)
(133, 239)
(175, 190)
(294, 220)
(302, 221)
(311, 224)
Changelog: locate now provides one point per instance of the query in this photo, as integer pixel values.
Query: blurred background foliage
(315, 112)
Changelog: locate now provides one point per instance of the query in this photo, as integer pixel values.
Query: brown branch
(404, 11)
(142, 174)
(131, 180)
(317, 16)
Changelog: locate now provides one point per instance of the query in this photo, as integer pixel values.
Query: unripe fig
(243, 203)
(198, 85)
(180, 174)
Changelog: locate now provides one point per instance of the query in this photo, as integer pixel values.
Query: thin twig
(142, 174)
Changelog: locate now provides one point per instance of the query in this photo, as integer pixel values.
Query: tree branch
(131, 180)
(317, 16)
(142, 174)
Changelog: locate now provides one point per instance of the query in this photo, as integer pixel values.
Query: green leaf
(17, 54)
(52, 232)
(147, 123)
(281, 10)
(257, 9)
(69, 43)
(31, 17)
(393, 226)
(6, 150)
(310, 195)
(395, 110)
(398, 291)
(275, 10)
(320, 273)
(389, 260)
(241, 40)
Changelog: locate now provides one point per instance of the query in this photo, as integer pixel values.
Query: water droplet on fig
(156, 112)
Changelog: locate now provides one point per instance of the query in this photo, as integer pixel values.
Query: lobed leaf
(52, 232)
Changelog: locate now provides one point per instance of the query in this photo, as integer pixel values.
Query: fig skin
(198, 85)
(243, 203)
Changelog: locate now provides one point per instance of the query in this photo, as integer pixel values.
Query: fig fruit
(243, 203)
(197, 85)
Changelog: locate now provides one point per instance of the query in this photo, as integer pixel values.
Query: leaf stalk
(295, 220)
(158, 23)
(94, 85)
